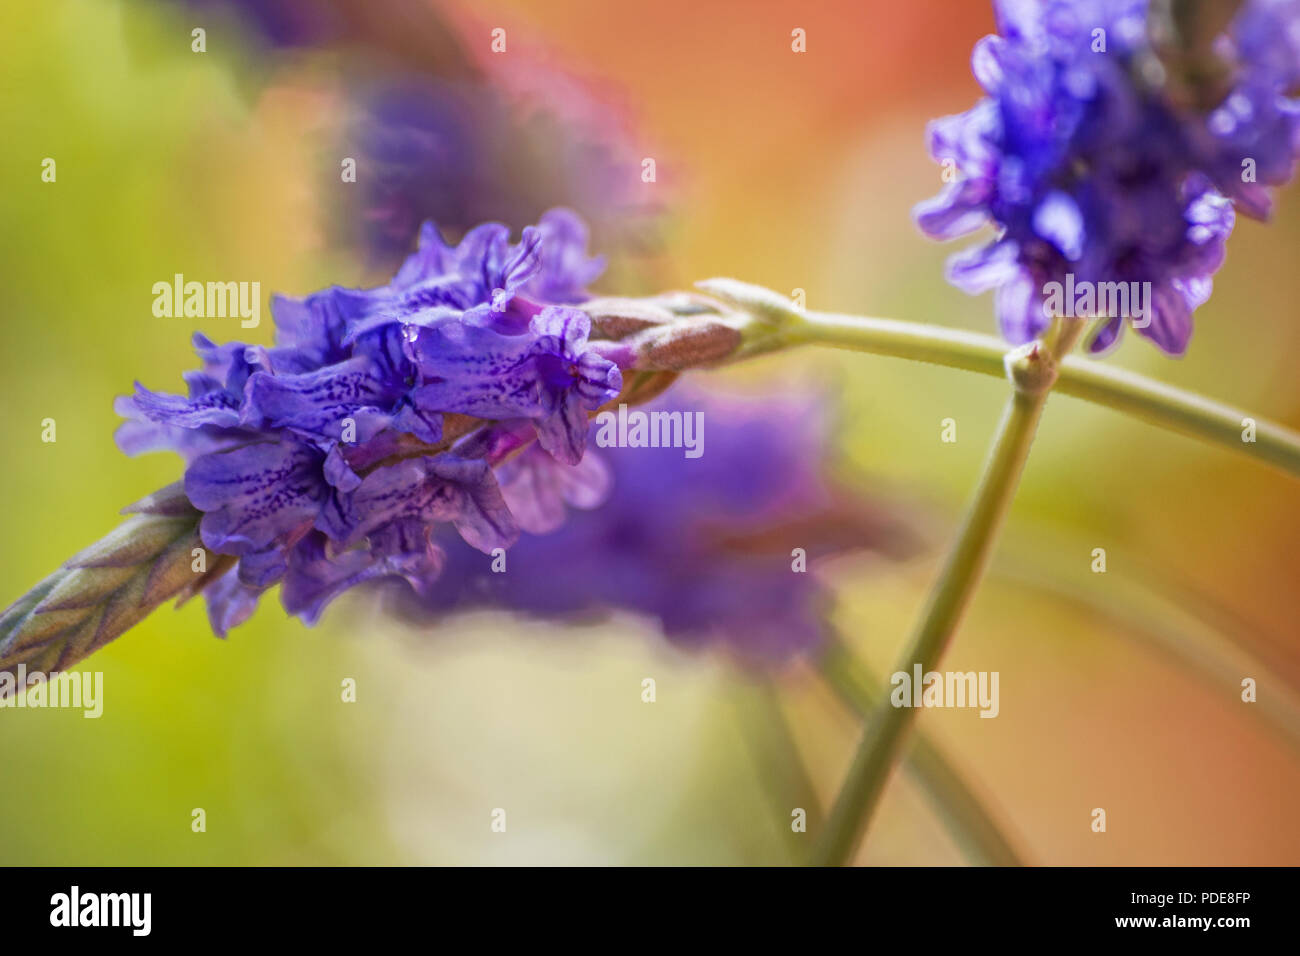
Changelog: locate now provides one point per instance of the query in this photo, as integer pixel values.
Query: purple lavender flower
(1093, 175)
(550, 376)
(328, 459)
(701, 546)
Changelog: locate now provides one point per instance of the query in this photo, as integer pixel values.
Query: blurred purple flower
(438, 133)
(280, 22)
(1259, 118)
(461, 152)
(1089, 170)
(704, 546)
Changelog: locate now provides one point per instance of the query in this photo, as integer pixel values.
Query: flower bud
(689, 343)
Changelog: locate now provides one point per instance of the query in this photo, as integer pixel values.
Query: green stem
(1152, 401)
(1033, 371)
(970, 824)
(786, 783)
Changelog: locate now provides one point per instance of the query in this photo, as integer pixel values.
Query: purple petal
(230, 602)
(436, 489)
(1171, 320)
(564, 432)
(413, 419)
(508, 314)
(317, 324)
(255, 494)
(1019, 306)
(565, 270)
(140, 434)
(537, 487)
(407, 549)
(1058, 220)
(432, 258)
(985, 267)
(338, 472)
(523, 262)
(475, 371)
(986, 63)
(261, 569)
(569, 327)
(315, 577)
(317, 403)
(216, 408)
(230, 364)
(960, 209)
(970, 139)
(1106, 336)
(497, 442)
(403, 313)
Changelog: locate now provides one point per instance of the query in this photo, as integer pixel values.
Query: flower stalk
(972, 825)
(1033, 369)
(778, 760)
(109, 587)
(1154, 402)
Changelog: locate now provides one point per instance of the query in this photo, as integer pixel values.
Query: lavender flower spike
(374, 428)
(1098, 167)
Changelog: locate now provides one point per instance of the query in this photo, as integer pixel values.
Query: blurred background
(797, 171)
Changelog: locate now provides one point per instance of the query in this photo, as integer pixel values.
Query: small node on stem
(1033, 367)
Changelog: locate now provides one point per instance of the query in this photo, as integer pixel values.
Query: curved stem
(778, 763)
(1032, 370)
(953, 348)
(1152, 401)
